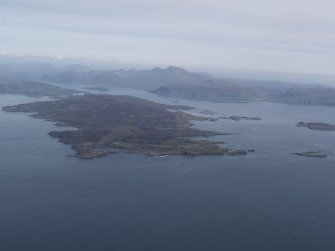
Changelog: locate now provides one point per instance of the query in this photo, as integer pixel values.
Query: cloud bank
(264, 35)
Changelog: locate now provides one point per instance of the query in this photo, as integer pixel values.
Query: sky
(294, 36)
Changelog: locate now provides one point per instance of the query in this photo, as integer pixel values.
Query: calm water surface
(268, 200)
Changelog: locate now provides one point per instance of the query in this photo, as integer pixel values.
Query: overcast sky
(265, 35)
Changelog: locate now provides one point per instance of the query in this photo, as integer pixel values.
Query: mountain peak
(169, 69)
(157, 69)
(175, 69)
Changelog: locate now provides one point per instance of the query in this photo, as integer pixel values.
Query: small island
(107, 124)
(207, 112)
(311, 154)
(317, 126)
(239, 118)
(96, 88)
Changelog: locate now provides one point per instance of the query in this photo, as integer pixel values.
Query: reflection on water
(268, 200)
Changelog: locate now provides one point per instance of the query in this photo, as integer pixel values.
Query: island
(106, 124)
(311, 154)
(317, 126)
(97, 88)
(207, 112)
(239, 118)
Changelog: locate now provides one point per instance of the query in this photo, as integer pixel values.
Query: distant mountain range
(298, 95)
(138, 79)
(172, 82)
(35, 70)
(307, 96)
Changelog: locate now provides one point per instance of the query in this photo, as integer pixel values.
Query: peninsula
(34, 89)
(107, 124)
(239, 118)
(311, 154)
(317, 126)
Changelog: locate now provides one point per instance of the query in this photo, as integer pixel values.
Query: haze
(287, 36)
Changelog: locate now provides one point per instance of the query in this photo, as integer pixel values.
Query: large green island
(107, 124)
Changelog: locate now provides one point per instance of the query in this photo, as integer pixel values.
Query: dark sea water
(268, 200)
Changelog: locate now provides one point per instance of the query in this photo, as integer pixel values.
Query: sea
(267, 200)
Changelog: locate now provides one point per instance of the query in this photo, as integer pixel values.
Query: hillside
(307, 96)
(33, 88)
(230, 91)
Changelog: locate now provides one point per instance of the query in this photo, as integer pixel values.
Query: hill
(33, 88)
